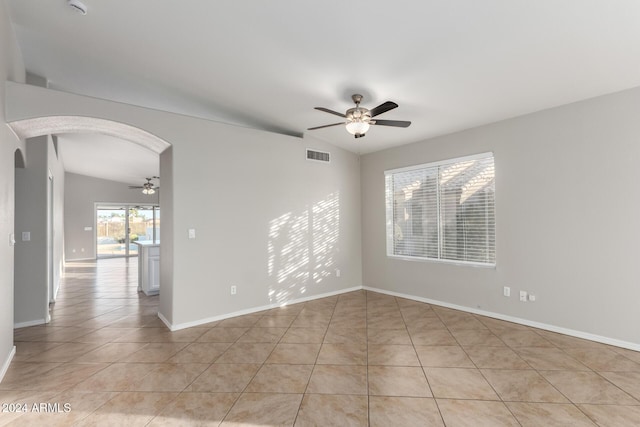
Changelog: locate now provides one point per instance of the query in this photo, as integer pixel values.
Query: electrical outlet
(192, 233)
(337, 272)
(506, 291)
(234, 290)
(532, 298)
(523, 296)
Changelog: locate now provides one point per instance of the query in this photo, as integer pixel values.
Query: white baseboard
(54, 297)
(525, 322)
(29, 323)
(165, 321)
(185, 325)
(544, 326)
(7, 362)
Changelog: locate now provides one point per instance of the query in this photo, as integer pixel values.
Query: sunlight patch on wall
(301, 249)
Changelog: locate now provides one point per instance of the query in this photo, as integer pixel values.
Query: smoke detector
(78, 6)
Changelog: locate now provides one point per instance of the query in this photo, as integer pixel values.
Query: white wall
(11, 68)
(248, 194)
(31, 265)
(167, 233)
(568, 219)
(268, 221)
(81, 195)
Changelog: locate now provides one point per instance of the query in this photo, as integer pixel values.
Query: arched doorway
(40, 128)
(51, 125)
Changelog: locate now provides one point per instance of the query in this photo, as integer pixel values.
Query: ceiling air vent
(319, 156)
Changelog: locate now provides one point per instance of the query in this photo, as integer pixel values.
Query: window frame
(389, 223)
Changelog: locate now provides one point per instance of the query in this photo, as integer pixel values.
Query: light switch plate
(192, 233)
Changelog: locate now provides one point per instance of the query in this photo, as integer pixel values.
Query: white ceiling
(450, 65)
(108, 158)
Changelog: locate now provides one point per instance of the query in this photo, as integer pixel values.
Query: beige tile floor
(360, 358)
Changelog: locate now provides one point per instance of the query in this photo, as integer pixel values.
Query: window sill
(443, 261)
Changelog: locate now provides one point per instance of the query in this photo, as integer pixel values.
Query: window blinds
(443, 211)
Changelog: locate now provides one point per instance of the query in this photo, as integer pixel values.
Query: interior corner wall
(567, 219)
(81, 194)
(11, 68)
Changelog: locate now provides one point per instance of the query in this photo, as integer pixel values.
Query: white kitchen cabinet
(148, 267)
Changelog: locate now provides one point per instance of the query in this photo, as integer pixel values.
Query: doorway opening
(118, 226)
(50, 123)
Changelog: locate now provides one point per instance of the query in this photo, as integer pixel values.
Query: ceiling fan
(358, 119)
(147, 187)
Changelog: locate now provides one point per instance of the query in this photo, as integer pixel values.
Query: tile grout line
(370, 303)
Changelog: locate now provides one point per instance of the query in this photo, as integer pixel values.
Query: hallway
(360, 358)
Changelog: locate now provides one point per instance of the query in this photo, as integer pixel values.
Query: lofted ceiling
(450, 65)
(108, 157)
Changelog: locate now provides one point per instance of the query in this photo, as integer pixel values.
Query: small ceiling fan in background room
(147, 187)
(358, 119)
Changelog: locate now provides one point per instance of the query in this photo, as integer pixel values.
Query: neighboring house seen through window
(443, 211)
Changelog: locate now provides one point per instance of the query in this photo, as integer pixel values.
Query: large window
(443, 211)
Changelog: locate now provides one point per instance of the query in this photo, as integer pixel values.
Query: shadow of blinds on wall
(443, 211)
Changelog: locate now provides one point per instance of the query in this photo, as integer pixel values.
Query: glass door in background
(144, 223)
(149, 220)
(118, 226)
(111, 231)
(133, 230)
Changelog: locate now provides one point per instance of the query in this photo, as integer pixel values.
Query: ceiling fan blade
(383, 108)
(326, 110)
(133, 187)
(326, 126)
(396, 123)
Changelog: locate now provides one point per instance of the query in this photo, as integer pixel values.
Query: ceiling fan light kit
(359, 119)
(147, 188)
(357, 127)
